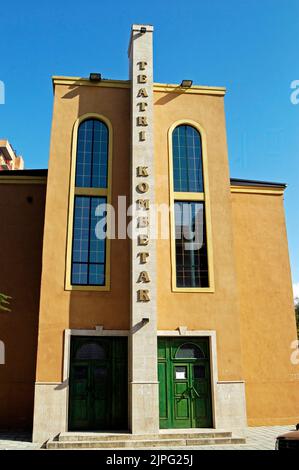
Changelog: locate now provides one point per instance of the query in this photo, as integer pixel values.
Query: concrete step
(148, 443)
(97, 436)
(216, 440)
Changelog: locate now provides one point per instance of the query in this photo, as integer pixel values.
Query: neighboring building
(9, 160)
(140, 333)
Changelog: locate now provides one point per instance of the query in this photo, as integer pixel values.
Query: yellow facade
(268, 329)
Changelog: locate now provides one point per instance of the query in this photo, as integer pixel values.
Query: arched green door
(185, 385)
(98, 394)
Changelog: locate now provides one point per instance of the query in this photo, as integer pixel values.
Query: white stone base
(50, 411)
(145, 413)
(230, 405)
(51, 402)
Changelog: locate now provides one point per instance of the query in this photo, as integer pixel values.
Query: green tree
(4, 302)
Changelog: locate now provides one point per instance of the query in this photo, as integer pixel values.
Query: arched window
(189, 351)
(187, 160)
(190, 259)
(92, 154)
(91, 351)
(91, 194)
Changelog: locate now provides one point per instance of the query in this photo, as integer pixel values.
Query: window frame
(190, 197)
(88, 191)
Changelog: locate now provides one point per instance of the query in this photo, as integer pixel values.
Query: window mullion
(89, 230)
(91, 191)
(92, 156)
(182, 196)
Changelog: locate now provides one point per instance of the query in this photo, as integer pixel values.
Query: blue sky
(249, 46)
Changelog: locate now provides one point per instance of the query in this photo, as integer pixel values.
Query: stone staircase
(165, 439)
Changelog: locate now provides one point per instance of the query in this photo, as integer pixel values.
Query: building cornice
(257, 187)
(22, 179)
(81, 81)
(279, 191)
(246, 182)
(194, 90)
(158, 87)
(23, 176)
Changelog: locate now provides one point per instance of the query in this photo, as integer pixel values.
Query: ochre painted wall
(201, 311)
(267, 312)
(61, 309)
(244, 335)
(21, 235)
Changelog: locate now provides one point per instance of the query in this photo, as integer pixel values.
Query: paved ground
(16, 440)
(261, 438)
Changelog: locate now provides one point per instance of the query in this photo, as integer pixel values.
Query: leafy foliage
(4, 302)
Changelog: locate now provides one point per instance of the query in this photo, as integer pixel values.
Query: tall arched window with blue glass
(190, 252)
(89, 243)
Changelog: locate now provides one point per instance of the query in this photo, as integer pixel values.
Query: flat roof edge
(43, 172)
(162, 87)
(256, 183)
(24, 173)
(195, 89)
(61, 80)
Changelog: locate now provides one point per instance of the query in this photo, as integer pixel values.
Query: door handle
(188, 393)
(193, 390)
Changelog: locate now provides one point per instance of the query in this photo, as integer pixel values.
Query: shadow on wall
(20, 275)
(170, 96)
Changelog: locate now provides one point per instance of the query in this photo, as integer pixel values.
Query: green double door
(184, 383)
(98, 393)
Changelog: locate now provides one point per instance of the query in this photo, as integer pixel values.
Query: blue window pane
(92, 154)
(187, 160)
(97, 242)
(97, 274)
(81, 229)
(79, 274)
(89, 241)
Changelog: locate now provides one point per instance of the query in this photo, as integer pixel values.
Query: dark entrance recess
(98, 394)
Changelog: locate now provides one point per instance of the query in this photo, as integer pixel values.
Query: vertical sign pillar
(144, 387)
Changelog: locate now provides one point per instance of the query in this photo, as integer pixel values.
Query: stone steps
(124, 441)
(73, 437)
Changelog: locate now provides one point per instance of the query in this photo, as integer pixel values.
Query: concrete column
(144, 387)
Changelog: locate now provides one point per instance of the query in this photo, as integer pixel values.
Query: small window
(100, 374)
(180, 372)
(189, 351)
(199, 372)
(80, 372)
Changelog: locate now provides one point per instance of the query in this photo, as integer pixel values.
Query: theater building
(137, 332)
